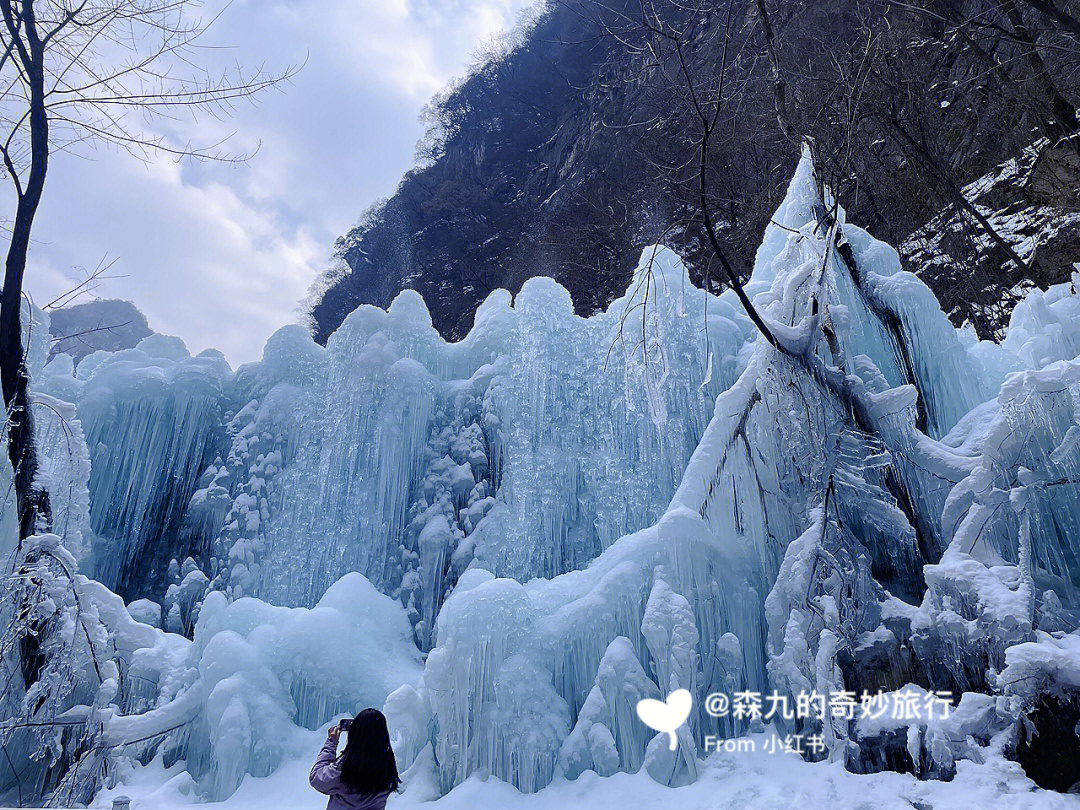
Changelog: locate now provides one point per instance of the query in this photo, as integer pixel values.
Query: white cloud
(50, 284)
(417, 46)
(221, 255)
(200, 261)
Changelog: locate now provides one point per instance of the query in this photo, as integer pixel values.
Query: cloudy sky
(220, 254)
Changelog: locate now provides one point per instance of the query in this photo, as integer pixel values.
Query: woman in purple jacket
(366, 772)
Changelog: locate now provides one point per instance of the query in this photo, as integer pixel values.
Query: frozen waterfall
(511, 539)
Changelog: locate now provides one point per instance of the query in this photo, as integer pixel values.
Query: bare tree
(77, 74)
(1065, 20)
(89, 72)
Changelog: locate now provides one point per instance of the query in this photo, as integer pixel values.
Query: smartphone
(343, 725)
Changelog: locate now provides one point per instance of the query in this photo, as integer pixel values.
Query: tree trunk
(31, 501)
(1066, 21)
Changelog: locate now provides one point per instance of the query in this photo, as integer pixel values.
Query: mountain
(570, 147)
(107, 324)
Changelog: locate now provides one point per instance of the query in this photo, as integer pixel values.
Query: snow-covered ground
(745, 780)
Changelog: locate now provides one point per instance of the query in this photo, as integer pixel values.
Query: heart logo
(666, 716)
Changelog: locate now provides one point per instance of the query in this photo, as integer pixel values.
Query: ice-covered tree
(79, 72)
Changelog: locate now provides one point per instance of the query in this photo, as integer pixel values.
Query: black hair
(367, 763)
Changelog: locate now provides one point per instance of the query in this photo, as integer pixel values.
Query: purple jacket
(326, 778)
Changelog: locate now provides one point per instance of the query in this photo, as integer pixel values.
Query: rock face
(1048, 747)
(106, 324)
(1034, 203)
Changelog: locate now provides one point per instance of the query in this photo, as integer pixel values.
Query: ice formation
(529, 447)
(509, 540)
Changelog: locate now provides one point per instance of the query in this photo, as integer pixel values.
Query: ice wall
(571, 514)
(793, 550)
(149, 415)
(527, 448)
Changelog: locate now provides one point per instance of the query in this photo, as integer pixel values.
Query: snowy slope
(1031, 201)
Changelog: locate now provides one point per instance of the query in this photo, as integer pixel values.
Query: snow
(734, 780)
(1049, 663)
(231, 696)
(146, 612)
(506, 542)
(1042, 328)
